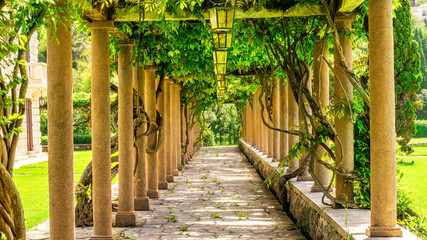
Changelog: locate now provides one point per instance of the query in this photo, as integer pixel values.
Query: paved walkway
(217, 196)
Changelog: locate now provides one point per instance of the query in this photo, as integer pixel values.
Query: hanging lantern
(221, 18)
(222, 82)
(220, 61)
(220, 92)
(221, 40)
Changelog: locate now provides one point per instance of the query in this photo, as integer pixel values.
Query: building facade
(29, 143)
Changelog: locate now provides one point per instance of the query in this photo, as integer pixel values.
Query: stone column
(259, 123)
(254, 122)
(168, 131)
(283, 119)
(248, 123)
(101, 145)
(177, 117)
(292, 125)
(161, 154)
(150, 107)
(257, 118)
(243, 113)
(382, 114)
(321, 94)
(276, 120)
(264, 129)
(60, 120)
(142, 201)
(126, 214)
(172, 133)
(344, 150)
(305, 175)
(183, 129)
(270, 136)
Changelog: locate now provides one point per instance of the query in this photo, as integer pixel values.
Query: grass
(32, 183)
(414, 177)
(418, 140)
(419, 151)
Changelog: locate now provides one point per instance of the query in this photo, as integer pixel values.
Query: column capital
(126, 42)
(151, 68)
(100, 25)
(344, 21)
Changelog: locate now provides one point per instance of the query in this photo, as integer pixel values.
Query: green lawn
(32, 183)
(419, 151)
(418, 140)
(415, 172)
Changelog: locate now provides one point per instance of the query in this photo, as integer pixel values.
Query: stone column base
(179, 167)
(276, 160)
(164, 184)
(169, 178)
(175, 172)
(101, 238)
(316, 188)
(304, 177)
(153, 193)
(125, 219)
(142, 204)
(289, 170)
(384, 231)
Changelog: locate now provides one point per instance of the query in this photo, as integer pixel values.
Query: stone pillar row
(285, 115)
(153, 171)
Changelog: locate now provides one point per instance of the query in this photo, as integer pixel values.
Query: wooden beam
(132, 13)
(96, 13)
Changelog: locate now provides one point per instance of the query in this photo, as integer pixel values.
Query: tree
(407, 75)
(418, 36)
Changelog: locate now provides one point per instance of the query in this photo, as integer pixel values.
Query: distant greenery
(222, 125)
(421, 126)
(78, 139)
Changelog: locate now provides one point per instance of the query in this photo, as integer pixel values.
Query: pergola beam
(128, 12)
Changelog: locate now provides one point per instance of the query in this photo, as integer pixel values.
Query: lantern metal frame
(222, 40)
(214, 18)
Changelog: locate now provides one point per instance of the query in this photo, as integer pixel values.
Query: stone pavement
(218, 195)
(27, 161)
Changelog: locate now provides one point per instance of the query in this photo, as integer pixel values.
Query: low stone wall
(77, 147)
(316, 220)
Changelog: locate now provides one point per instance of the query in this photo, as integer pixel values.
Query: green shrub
(421, 126)
(44, 140)
(78, 139)
(82, 139)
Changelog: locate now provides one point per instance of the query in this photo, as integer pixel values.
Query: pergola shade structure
(101, 23)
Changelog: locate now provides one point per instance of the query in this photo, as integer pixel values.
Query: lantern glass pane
(220, 69)
(220, 57)
(216, 40)
(222, 18)
(228, 40)
(222, 84)
(221, 40)
(213, 18)
(230, 18)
